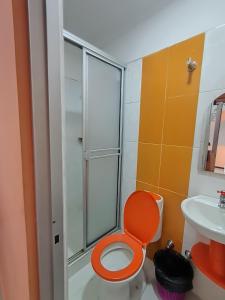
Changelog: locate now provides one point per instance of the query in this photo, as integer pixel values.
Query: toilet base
(133, 287)
(112, 291)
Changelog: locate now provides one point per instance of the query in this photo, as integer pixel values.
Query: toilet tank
(159, 200)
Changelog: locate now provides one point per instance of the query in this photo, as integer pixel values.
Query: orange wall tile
(153, 90)
(147, 187)
(175, 168)
(148, 163)
(169, 100)
(173, 221)
(181, 82)
(179, 122)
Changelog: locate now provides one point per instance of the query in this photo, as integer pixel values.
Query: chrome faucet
(221, 203)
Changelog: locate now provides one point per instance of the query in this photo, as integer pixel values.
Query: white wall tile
(133, 81)
(131, 121)
(128, 187)
(202, 182)
(131, 129)
(130, 160)
(213, 71)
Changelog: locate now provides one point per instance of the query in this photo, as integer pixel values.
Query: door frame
(46, 67)
(46, 54)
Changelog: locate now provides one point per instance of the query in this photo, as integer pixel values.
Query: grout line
(162, 144)
(146, 183)
(150, 184)
(177, 146)
(162, 188)
(127, 142)
(130, 141)
(139, 120)
(179, 194)
(143, 143)
(131, 101)
(134, 60)
(164, 115)
(182, 95)
(212, 90)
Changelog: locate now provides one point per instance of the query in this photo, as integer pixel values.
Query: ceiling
(102, 21)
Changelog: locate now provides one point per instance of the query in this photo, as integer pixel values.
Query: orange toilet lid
(141, 216)
(121, 274)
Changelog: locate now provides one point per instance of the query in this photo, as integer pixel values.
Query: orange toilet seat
(121, 274)
(141, 220)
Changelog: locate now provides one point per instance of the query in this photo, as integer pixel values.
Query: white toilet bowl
(117, 259)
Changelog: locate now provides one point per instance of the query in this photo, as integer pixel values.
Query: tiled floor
(84, 285)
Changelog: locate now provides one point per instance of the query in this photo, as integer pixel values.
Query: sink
(208, 219)
(205, 216)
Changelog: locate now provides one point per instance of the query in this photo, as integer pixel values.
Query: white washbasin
(205, 216)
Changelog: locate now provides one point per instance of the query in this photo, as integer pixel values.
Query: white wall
(212, 85)
(178, 21)
(131, 127)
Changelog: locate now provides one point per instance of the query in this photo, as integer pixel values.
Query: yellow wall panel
(169, 99)
(173, 220)
(175, 168)
(154, 76)
(181, 82)
(148, 163)
(179, 123)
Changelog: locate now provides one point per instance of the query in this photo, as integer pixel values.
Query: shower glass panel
(103, 89)
(102, 191)
(73, 149)
(103, 105)
(91, 114)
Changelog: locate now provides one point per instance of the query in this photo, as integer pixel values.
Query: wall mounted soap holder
(191, 64)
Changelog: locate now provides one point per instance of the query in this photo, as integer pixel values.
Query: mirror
(215, 153)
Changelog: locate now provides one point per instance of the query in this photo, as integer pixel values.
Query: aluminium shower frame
(88, 49)
(46, 64)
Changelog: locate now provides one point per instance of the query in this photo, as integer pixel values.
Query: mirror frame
(210, 157)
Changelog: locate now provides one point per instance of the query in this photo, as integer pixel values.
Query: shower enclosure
(91, 142)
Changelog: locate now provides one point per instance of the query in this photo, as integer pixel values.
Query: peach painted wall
(14, 250)
(21, 37)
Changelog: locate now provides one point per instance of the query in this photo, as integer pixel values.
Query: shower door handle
(80, 140)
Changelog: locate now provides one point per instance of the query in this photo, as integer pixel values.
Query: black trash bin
(174, 274)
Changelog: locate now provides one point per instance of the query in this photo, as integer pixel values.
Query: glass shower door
(102, 147)
(73, 148)
(91, 147)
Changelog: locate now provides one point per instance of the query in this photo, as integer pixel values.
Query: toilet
(118, 258)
